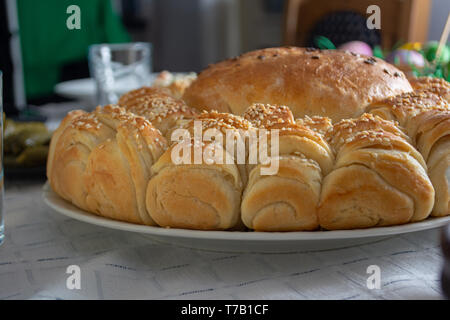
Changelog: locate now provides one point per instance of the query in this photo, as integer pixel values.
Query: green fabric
(47, 43)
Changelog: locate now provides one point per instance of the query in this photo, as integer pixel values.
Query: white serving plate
(237, 241)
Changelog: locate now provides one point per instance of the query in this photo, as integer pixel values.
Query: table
(41, 244)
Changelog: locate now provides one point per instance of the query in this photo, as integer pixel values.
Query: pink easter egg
(404, 57)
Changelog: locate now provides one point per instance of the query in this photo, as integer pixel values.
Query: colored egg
(357, 47)
(404, 57)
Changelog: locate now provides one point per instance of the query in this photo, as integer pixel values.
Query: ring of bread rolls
(358, 148)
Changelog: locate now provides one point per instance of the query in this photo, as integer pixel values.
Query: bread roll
(435, 85)
(175, 83)
(198, 196)
(330, 83)
(357, 147)
(430, 130)
(101, 161)
(286, 200)
(319, 124)
(378, 178)
(424, 117)
(157, 106)
(140, 95)
(403, 107)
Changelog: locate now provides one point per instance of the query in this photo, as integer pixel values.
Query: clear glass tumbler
(2, 185)
(118, 68)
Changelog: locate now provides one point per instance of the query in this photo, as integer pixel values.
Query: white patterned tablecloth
(40, 244)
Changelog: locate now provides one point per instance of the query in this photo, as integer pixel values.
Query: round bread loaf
(332, 83)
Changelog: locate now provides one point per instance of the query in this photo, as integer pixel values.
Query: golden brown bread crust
(223, 121)
(439, 173)
(427, 127)
(269, 116)
(133, 97)
(55, 137)
(370, 131)
(158, 106)
(438, 86)
(425, 117)
(287, 200)
(328, 83)
(378, 178)
(99, 155)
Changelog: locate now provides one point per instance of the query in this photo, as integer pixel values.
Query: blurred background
(38, 51)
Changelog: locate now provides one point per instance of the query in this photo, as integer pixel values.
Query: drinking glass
(2, 229)
(118, 68)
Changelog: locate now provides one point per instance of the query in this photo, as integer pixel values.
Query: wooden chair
(401, 20)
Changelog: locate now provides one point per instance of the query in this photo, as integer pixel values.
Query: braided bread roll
(200, 195)
(403, 107)
(378, 178)
(424, 117)
(101, 162)
(159, 107)
(287, 200)
(430, 130)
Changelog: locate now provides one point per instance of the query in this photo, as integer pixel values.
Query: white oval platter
(245, 241)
